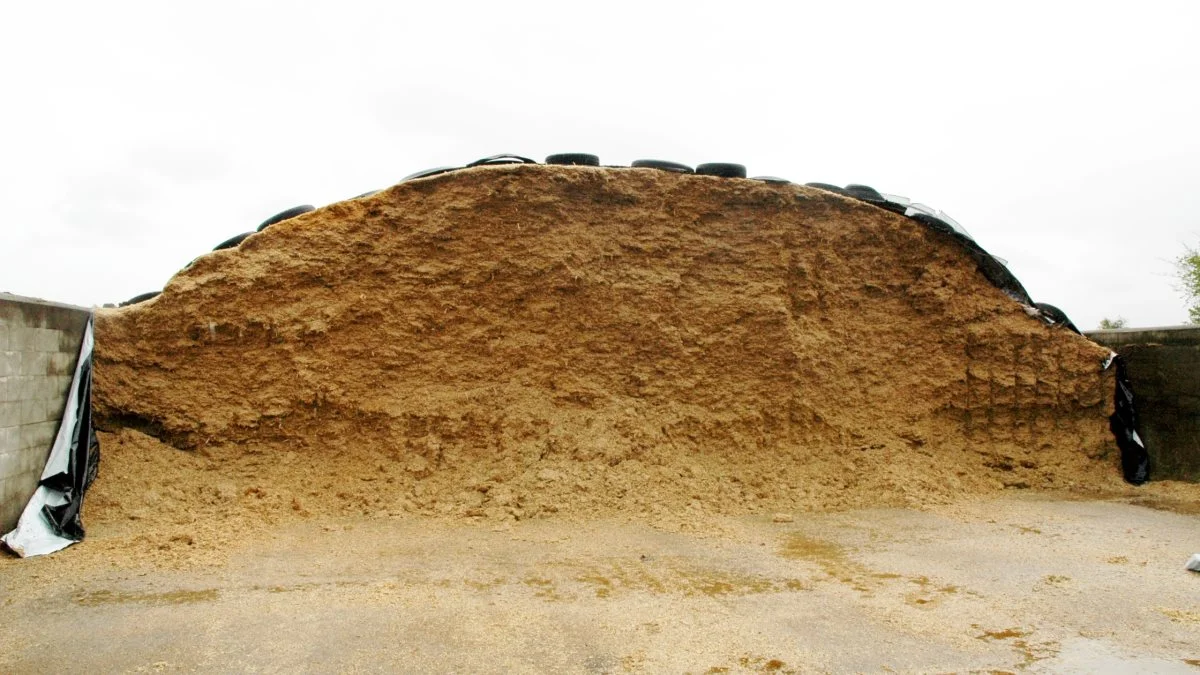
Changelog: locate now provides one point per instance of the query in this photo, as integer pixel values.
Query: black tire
(139, 298)
(425, 173)
(722, 170)
(232, 241)
(662, 165)
(828, 188)
(286, 215)
(573, 159)
(369, 193)
(1055, 315)
(502, 159)
(864, 192)
(772, 179)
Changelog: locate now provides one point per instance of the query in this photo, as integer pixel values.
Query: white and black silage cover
(51, 520)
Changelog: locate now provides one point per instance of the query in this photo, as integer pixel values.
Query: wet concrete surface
(1013, 585)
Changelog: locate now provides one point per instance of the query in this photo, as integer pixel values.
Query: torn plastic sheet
(51, 519)
(1135, 461)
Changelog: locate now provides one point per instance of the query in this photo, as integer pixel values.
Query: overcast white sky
(1063, 136)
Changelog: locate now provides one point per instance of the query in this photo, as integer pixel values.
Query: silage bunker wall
(39, 345)
(1164, 370)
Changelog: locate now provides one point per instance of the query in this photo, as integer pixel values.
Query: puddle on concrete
(1182, 506)
(94, 598)
(1083, 655)
(1030, 652)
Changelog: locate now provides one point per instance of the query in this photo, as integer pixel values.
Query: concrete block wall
(1164, 368)
(39, 346)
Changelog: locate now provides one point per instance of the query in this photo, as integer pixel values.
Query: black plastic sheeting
(83, 461)
(1135, 460)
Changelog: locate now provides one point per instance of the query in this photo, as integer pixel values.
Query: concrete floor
(1018, 584)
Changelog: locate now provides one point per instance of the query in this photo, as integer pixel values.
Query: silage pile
(521, 341)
